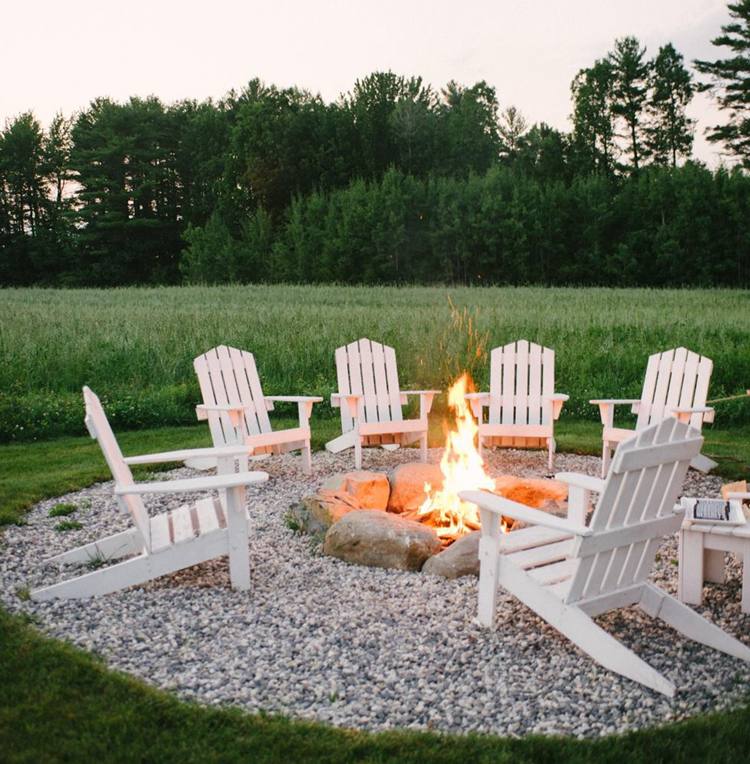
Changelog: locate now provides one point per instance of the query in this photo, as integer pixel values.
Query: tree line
(395, 181)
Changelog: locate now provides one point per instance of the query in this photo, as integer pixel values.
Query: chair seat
(186, 522)
(399, 425)
(617, 434)
(516, 430)
(292, 435)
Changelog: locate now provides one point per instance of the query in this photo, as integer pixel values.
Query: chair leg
(307, 458)
(136, 570)
(746, 582)
(112, 547)
(423, 448)
(551, 448)
(580, 629)
(358, 454)
(489, 568)
(606, 455)
(239, 557)
(693, 625)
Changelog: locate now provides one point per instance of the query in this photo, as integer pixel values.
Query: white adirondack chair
(237, 410)
(370, 400)
(676, 384)
(522, 403)
(169, 541)
(568, 572)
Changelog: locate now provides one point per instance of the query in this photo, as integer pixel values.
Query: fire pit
(414, 515)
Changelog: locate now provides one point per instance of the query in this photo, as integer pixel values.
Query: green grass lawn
(60, 704)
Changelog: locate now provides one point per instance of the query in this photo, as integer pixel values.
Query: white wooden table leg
(239, 556)
(713, 566)
(690, 576)
(746, 582)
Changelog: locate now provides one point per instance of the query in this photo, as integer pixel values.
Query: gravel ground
(319, 639)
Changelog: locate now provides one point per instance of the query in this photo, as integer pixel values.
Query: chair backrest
(98, 426)
(676, 377)
(521, 374)
(642, 487)
(228, 376)
(369, 368)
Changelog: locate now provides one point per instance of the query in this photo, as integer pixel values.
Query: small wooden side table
(701, 557)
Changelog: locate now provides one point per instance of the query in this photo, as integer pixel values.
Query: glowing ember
(463, 470)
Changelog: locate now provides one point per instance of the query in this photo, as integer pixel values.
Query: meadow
(134, 346)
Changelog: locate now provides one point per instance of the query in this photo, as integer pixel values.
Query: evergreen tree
(511, 128)
(631, 74)
(670, 132)
(729, 81)
(593, 117)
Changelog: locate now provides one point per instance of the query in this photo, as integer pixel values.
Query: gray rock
(380, 540)
(461, 558)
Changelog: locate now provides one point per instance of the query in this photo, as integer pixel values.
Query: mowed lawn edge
(60, 703)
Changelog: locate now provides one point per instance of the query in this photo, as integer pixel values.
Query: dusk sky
(74, 51)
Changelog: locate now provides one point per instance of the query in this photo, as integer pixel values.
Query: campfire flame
(463, 470)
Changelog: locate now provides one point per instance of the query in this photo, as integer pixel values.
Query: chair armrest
(478, 401)
(188, 453)
(607, 408)
(508, 508)
(304, 404)
(739, 495)
(349, 402)
(337, 398)
(615, 401)
(294, 398)
(683, 413)
(586, 482)
(231, 480)
(202, 410)
(425, 400)
(557, 400)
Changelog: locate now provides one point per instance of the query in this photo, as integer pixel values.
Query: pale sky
(60, 55)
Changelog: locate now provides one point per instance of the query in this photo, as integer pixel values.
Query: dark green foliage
(665, 226)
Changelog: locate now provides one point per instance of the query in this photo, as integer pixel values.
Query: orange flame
(462, 468)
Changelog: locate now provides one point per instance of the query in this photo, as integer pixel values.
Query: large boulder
(540, 493)
(368, 490)
(315, 514)
(407, 486)
(461, 558)
(381, 540)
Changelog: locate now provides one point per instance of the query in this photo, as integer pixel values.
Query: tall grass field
(135, 346)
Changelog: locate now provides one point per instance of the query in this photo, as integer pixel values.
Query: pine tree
(593, 118)
(730, 82)
(670, 132)
(629, 93)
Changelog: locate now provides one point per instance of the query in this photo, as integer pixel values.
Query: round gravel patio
(319, 639)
